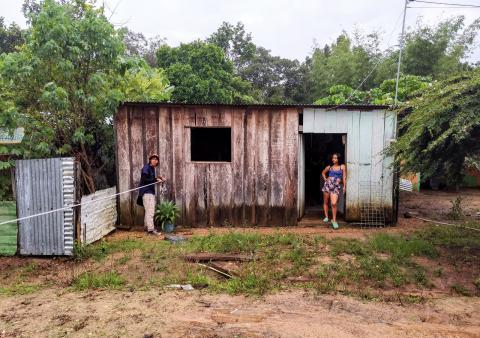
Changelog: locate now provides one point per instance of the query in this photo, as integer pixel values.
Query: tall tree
(440, 131)
(68, 81)
(345, 62)
(235, 42)
(274, 79)
(435, 51)
(136, 44)
(201, 73)
(11, 37)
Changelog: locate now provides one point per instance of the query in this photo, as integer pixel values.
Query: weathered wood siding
(258, 186)
(98, 215)
(368, 132)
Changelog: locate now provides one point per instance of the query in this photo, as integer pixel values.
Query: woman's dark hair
(339, 157)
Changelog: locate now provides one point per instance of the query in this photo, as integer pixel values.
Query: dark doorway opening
(318, 151)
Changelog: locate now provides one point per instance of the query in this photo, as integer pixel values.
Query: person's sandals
(154, 233)
(325, 220)
(335, 225)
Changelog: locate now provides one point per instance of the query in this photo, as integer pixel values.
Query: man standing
(147, 192)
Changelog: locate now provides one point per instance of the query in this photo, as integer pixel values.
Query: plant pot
(168, 227)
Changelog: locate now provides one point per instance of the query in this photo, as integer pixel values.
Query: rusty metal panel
(44, 185)
(98, 218)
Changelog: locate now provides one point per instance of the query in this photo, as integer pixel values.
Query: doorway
(318, 150)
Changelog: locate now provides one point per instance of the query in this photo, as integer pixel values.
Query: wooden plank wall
(258, 186)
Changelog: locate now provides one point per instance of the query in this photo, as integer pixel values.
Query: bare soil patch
(197, 314)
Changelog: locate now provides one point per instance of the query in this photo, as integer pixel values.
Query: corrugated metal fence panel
(98, 219)
(68, 188)
(40, 188)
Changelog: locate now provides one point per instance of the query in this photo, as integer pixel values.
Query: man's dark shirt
(148, 176)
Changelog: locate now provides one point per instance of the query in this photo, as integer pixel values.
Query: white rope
(77, 205)
(443, 223)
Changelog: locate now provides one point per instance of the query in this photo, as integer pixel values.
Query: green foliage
(65, 85)
(441, 129)
(166, 212)
(345, 62)
(384, 94)
(235, 42)
(68, 80)
(438, 51)
(145, 84)
(201, 73)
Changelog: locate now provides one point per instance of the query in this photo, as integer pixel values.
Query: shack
(255, 164)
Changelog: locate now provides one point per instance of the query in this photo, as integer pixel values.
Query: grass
(19, 289)
(354, 264)
(8, 232)
(106, 280)
(363, 268)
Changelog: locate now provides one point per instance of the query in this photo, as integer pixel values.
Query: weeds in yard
(251, 284)
(456, 211)
(460, 289)
(30, 268)
(99, 251)
(232, 242)
(91, 280)
(124, 260)
(19, 289)
(438, 272)
(400, 247)
(354, 247)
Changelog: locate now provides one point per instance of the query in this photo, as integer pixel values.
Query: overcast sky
(288, 28)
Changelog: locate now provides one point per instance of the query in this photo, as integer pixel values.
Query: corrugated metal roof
(258, 105)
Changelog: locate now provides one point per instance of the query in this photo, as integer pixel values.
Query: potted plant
(165, 214)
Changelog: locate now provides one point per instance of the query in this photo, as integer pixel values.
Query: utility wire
(444, 7)
(445, 3)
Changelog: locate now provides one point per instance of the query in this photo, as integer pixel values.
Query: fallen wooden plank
(300, 279)
(219, 271)
(206, 257)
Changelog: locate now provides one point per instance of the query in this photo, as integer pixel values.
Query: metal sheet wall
(368, 134)
(43, 185)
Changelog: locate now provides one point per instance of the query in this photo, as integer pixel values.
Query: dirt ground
(52, 313)
(61, 312)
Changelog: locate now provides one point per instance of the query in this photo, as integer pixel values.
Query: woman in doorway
(337, 175)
